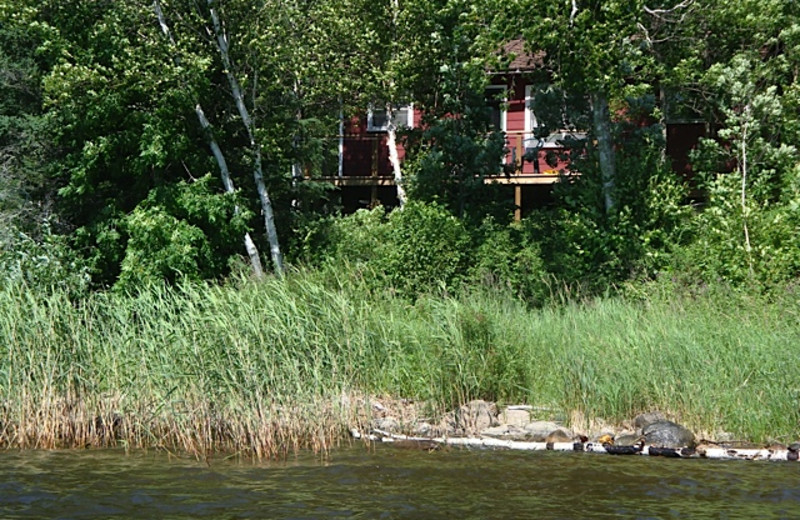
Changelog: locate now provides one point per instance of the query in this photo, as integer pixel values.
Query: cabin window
(378, 120)
(533, 126)
(496, 101)
(538, 134)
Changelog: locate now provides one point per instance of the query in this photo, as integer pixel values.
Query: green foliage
(25, 191)
(718, 252)
(584, 244)
(181, 231)
(449, 158)
(423, 249)
(44, 262)
(747, 233)
(508, 258)
(419, 249)
(429, 248)
(356, 238)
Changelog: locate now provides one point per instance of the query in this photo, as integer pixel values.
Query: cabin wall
(366, 177)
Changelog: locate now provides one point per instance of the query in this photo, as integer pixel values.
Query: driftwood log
(702, 451)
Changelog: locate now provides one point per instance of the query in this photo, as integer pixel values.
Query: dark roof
(521, 59)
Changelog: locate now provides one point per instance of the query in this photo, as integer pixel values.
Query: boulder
(475, 416)
(515, 417)
(496, 431)
(537, 431)
(423, 428)
(387, 424)
(643, 420)
(626, 438)
(667, 434)
(507, 432)
(560, 435)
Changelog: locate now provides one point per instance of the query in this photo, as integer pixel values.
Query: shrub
(411, 251)
(43, 263)
(509, 258)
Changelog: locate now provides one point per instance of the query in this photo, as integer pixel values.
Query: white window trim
(503, 109)
(531, 123)
(384, 128)
(550, 141)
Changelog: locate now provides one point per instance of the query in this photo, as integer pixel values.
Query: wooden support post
(520, 166)
(517, 202)
(373, 195)
(374, 155)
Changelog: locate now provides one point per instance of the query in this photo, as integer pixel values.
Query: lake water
(390, 483)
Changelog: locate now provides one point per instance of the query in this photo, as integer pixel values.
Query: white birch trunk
(227, 182)
(605, 147)
(391, 130)
(249, 245)
(703, 451)
(297, 169)
(340, 171)
(743, 168)
(258, 175)
(394, 158)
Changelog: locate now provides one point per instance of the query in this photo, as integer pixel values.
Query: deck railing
(363, 159)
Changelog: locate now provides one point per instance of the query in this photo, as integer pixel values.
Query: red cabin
(531, 165)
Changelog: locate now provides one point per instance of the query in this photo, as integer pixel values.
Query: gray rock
(626, 439)
(643, 420)
(515, 417)
(497, 431)
(667, 434)
(423, 428)
(476, 416)
(560, 435)
(538, 431)
(507, 432)
(387, 424)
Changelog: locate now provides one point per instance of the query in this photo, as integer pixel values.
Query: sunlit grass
(267, 368)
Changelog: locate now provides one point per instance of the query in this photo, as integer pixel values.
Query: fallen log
(703, 451)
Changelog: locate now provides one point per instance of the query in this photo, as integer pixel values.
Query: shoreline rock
(520, 423)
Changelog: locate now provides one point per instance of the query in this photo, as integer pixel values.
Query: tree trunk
(601, 119)
(391, 130)
(227, 182)
(743, 170)
(250, 246)
(394, 158)
(297, 168)
(258, 175)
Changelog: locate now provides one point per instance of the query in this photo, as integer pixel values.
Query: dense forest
(157, 141)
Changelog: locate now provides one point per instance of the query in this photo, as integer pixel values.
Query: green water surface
(387, 483)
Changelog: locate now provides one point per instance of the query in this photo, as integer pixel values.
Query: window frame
(409, 123)
(503, 104)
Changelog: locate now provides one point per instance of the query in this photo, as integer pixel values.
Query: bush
(180, 231)
(718, 251)
(418, 249)
(429, 248)
(42, 264)
(509, 258)
(584, 244)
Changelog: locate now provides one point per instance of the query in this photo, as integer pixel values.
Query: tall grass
(267, 368)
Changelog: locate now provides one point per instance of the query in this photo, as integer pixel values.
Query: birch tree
(250, 246)
(220, 36)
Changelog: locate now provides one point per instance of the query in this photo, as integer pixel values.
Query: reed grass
(268, 368)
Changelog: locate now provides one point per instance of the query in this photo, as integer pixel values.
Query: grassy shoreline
(272, 367)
